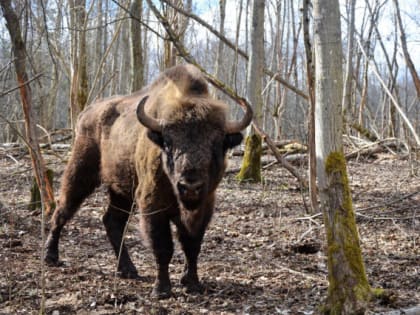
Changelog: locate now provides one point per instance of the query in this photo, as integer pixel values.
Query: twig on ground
(391, 202)
(367, 217)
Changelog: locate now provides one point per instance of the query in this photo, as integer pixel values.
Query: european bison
(169, 164)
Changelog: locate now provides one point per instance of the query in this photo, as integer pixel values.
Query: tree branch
(392, 98)
(242, 53)
(20, 85)
(137, 19)
(407, 57)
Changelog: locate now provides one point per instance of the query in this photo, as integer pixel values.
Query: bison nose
(190, 189)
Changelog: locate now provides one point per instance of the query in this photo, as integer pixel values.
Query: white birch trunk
(348, 291)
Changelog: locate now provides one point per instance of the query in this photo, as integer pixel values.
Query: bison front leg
(191, 247)
(115, 220)
(191, 237)
(156, 230)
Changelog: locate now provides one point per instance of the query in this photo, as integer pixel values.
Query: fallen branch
(304, 275)
(385, 204)
(292, 158)
(371, 218)
(373, 148)
(278, 156)
(406, 311)
(319, 214)
(286, 146)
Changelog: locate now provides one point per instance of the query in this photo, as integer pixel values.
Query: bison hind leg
(79, 180)
(115, 219)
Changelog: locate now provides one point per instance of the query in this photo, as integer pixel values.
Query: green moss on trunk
(364, 132)
(349, 290)
(35, 202)
(251, 163)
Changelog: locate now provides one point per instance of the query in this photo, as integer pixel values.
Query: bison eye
(167, 144)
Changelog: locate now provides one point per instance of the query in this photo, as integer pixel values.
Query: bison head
(194, 137)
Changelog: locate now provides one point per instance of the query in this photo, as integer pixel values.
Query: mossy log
(364, 132)
(284, 146)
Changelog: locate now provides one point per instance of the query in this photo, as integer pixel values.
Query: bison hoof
(51, 259)
(161, 292)
(128, 274)
(191, 284)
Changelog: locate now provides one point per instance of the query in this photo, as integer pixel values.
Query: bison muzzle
(162, 148)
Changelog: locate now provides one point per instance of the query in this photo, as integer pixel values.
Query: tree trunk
(218, 73)
(47, 195)
(19, 52)
(125, 59)
(234, 68)
(348, 78)
(169, 50)
(79, 81)
(137, 62)
(310, 75)
(409, 62)
(99, 45)
(36, 200)
(373, 17)
(251, 163)
(349, 290)
(220, 58)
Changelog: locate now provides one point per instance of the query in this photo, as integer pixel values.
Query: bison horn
(146, 120)
(238, 126)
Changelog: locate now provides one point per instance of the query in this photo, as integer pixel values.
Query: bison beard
(162, 148)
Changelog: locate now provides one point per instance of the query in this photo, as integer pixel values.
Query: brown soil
(262, 253)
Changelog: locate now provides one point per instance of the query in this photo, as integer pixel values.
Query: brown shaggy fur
(171, 175)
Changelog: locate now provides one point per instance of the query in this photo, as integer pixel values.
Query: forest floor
(262, 253)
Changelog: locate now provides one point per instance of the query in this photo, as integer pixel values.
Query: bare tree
(251, 163)
(137, 61)
(100, 38)
(348, 75)
(79, 80)
(179, 24)
(19, 52)
(349, 290)
(220, 57)
(310, 78)
(407, 56)
(45, 187)
(235, 47)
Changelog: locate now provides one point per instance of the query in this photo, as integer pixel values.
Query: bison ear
(156, 137)
(232, 140)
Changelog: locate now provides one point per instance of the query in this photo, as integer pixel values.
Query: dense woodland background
(78, 51)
